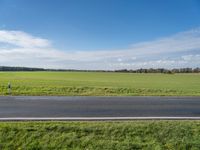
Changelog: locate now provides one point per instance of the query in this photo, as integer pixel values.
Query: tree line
(150, 70)
(7, 68)
(162, 70)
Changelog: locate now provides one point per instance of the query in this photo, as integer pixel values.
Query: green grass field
(176, 135)
(99, 84)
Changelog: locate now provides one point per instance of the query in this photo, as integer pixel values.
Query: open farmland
(99, 84)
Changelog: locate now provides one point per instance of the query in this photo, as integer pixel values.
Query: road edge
(94, 118)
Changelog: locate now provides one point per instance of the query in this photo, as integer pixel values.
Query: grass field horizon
(100, 84)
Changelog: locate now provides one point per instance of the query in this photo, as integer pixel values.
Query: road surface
(103, 108)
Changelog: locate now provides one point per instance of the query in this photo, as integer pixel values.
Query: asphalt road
(69, 107)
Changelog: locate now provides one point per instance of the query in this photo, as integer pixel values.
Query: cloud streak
(18, 48)
(22, 39)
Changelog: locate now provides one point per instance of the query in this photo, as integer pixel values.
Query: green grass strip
(128, 135)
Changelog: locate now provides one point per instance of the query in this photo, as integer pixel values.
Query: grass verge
(100, 135)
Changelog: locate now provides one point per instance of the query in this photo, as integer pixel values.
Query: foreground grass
(99, 84)
(100, 135)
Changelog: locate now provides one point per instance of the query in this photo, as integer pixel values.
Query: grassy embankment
(100, 135)
(99, 84)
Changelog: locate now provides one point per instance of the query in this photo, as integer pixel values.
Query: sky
(100, 34)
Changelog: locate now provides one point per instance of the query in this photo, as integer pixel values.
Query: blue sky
(100, 34)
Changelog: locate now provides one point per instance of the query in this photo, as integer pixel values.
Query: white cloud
(22, 39)
(18, 48)
(191, 57)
